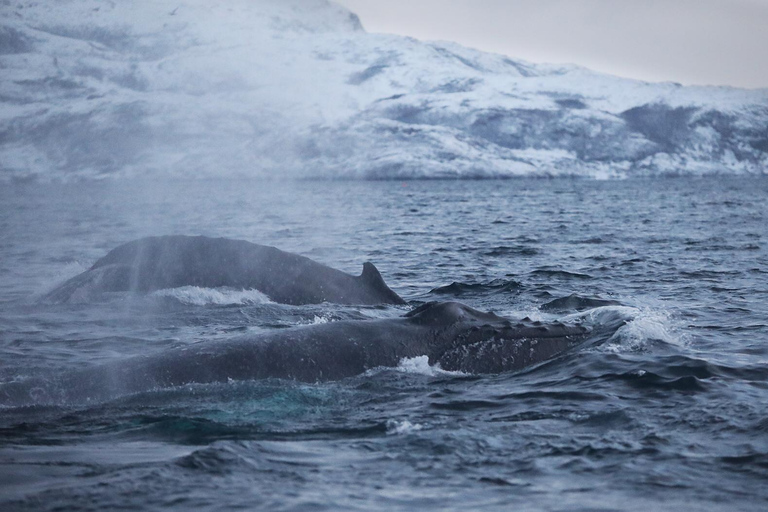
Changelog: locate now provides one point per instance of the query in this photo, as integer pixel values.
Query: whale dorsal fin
(373, 280)
(372, 276)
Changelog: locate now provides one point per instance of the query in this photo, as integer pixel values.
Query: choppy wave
(400, 427)
(676, 399)
(639, 328)
(457, 288)
(647, 327)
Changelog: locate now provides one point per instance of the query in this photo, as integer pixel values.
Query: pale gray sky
(705, 42)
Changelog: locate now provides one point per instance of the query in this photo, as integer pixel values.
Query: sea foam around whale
(197, 296)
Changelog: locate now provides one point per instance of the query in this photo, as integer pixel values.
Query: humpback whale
(452, 335)
(155, 263)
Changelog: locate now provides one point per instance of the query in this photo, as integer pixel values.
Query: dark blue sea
(670, 413)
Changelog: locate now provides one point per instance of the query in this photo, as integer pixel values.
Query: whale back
(473, 341)
(448, 313)
(173, 261)
(156, 263)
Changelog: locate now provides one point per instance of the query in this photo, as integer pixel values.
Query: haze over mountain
(296, 88)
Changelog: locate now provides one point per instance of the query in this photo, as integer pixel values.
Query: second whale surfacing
(451, 335)
(155, 263)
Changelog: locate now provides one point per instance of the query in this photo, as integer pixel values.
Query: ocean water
(670, 413)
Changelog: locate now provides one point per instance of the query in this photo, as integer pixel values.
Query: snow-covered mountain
(94, 88)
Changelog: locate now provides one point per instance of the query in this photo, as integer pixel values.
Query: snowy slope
(195, 88)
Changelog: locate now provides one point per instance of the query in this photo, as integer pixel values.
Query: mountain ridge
(297, 88)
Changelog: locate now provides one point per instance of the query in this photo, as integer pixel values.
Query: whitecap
(647, 326)
(395, 427)
(419, 365)
(639, 327)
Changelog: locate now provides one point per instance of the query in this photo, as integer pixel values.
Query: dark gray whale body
(156, 263)
(450, 334)
(575, 302)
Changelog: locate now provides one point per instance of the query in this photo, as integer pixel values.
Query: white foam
(196, 296)
(641, 326)
(603, 315)
(395, 427)
(649, 325)
(330, 316)
(420, 365)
